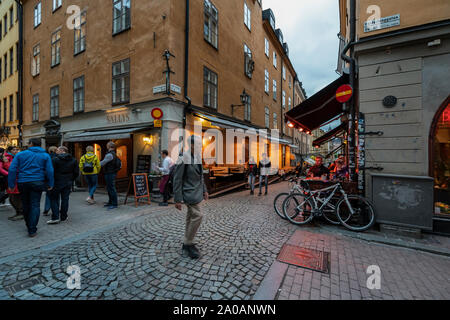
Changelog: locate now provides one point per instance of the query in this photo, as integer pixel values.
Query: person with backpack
(90, 168)
(111, 165)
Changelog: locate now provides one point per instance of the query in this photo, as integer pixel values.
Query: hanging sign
(344, 93)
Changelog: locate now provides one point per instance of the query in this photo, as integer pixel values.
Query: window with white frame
(289, 103)
(56, 48)
(249, 64)
(267, 117)
(274, 59)
(266, 81)
(275, 121)
(80, 34)
(248, 109)
(266, 47)
(121, 15)
(121, 81)
(37, 14)
(284, 73)
(36, 107)
(211, 27)
(275, 90)
(284, 99)
(209, 88)
(36, 61)
(78, 94)
(57, 4)
(247, 16)
(54, 102)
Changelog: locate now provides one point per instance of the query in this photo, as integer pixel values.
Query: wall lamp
(244, 100)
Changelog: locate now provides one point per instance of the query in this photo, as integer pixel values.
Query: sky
(310, 28)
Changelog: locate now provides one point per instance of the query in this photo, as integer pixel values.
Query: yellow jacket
(90, 157)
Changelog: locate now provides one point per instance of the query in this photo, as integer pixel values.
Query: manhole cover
(304, 258)
(23, 285)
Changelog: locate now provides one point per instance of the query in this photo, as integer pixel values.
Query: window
(11, 108)
(11, 61)
(266, 47)
(275, 121)
(54, 102)
(5, 106)
(36, 107)
(248, 109)
(78, 94)
(121, 81)
(211, 28)
(290, 81)
(290, 103)
(11, 17)
(17, 104)
(247, 16)
(5, 24)
(56, 48)
(5, 61)
(275, 90)
(284, 73)
(57, 4)
(274, 59)
(36, 63)
(284, 99)
(267, 117)
(249, 64)
(80, 35)
(266, 81)
(17, 56)
(37, 14)
(210, 88)
(121, 15)
(0, 74)
(1, 35)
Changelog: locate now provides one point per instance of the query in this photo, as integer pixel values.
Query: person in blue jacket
(34, 172)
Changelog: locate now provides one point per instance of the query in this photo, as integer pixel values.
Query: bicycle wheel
(363, 216)
(278, 204)
(329, 212)
(298, 209)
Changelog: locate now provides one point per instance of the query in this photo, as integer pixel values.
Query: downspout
(352, 107)
(20, 62)
(186, 66)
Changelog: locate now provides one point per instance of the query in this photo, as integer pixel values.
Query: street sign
(157, 114)
(344, 93)
(157, 123)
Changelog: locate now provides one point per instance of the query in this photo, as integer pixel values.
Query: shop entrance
(440, 160)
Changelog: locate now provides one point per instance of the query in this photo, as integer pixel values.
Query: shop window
(441, 162)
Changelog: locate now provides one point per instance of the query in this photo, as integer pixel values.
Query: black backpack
(88, 166)
(117, 164)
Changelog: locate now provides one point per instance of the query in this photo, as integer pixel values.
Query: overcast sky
(310, 28)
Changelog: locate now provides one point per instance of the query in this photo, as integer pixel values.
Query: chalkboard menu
(140, 188)
(143, 164)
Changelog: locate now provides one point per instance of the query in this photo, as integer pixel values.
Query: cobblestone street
(135, 253)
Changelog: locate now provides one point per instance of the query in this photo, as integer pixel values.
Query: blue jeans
(30, 193)
(92, 181)
(251, 181)
(59, 198)
(48, 204)
(110, 179)
(261, 179)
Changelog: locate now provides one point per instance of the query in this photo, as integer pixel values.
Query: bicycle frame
(325, 202)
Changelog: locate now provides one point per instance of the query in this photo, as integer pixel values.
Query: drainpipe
(186, 66)
(352, 106)
(20, 63)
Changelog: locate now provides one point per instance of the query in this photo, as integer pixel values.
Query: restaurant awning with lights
(318, 109)
(330, 135)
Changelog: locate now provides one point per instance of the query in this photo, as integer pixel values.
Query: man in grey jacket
(189, 187)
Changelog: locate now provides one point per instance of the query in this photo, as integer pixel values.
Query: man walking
(264, 171)
(189, 187)
(90, 168)
(165, 170)
(33, 170)
(66, 171)
(252, 170)
(47, 206)
(111, 165)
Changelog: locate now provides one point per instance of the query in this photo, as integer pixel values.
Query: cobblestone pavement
(139, 257)
(405, 274)
(239, 239)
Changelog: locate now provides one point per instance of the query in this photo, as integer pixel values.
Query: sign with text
(157, 123)
(141, 189)
(383, 23)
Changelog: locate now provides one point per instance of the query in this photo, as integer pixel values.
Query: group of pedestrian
(261, 170)
(26, 175)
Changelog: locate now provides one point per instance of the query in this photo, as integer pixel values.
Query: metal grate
(304, 258)
(24, 285)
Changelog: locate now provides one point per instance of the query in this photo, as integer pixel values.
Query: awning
(318, 109)
(330, 135)
(226, 124)
(105, 135)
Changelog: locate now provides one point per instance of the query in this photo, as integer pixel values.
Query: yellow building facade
(9, 73)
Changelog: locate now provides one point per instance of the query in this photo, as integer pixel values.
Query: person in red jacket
(14, 194)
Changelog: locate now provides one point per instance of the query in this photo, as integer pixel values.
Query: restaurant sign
(382, 23)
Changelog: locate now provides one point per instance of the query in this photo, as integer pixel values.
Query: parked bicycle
(353, 211)
(294, 187)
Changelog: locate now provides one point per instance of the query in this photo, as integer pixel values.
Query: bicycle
(294, 187)
(356, 213)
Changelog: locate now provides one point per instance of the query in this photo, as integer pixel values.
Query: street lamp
(244, 101)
